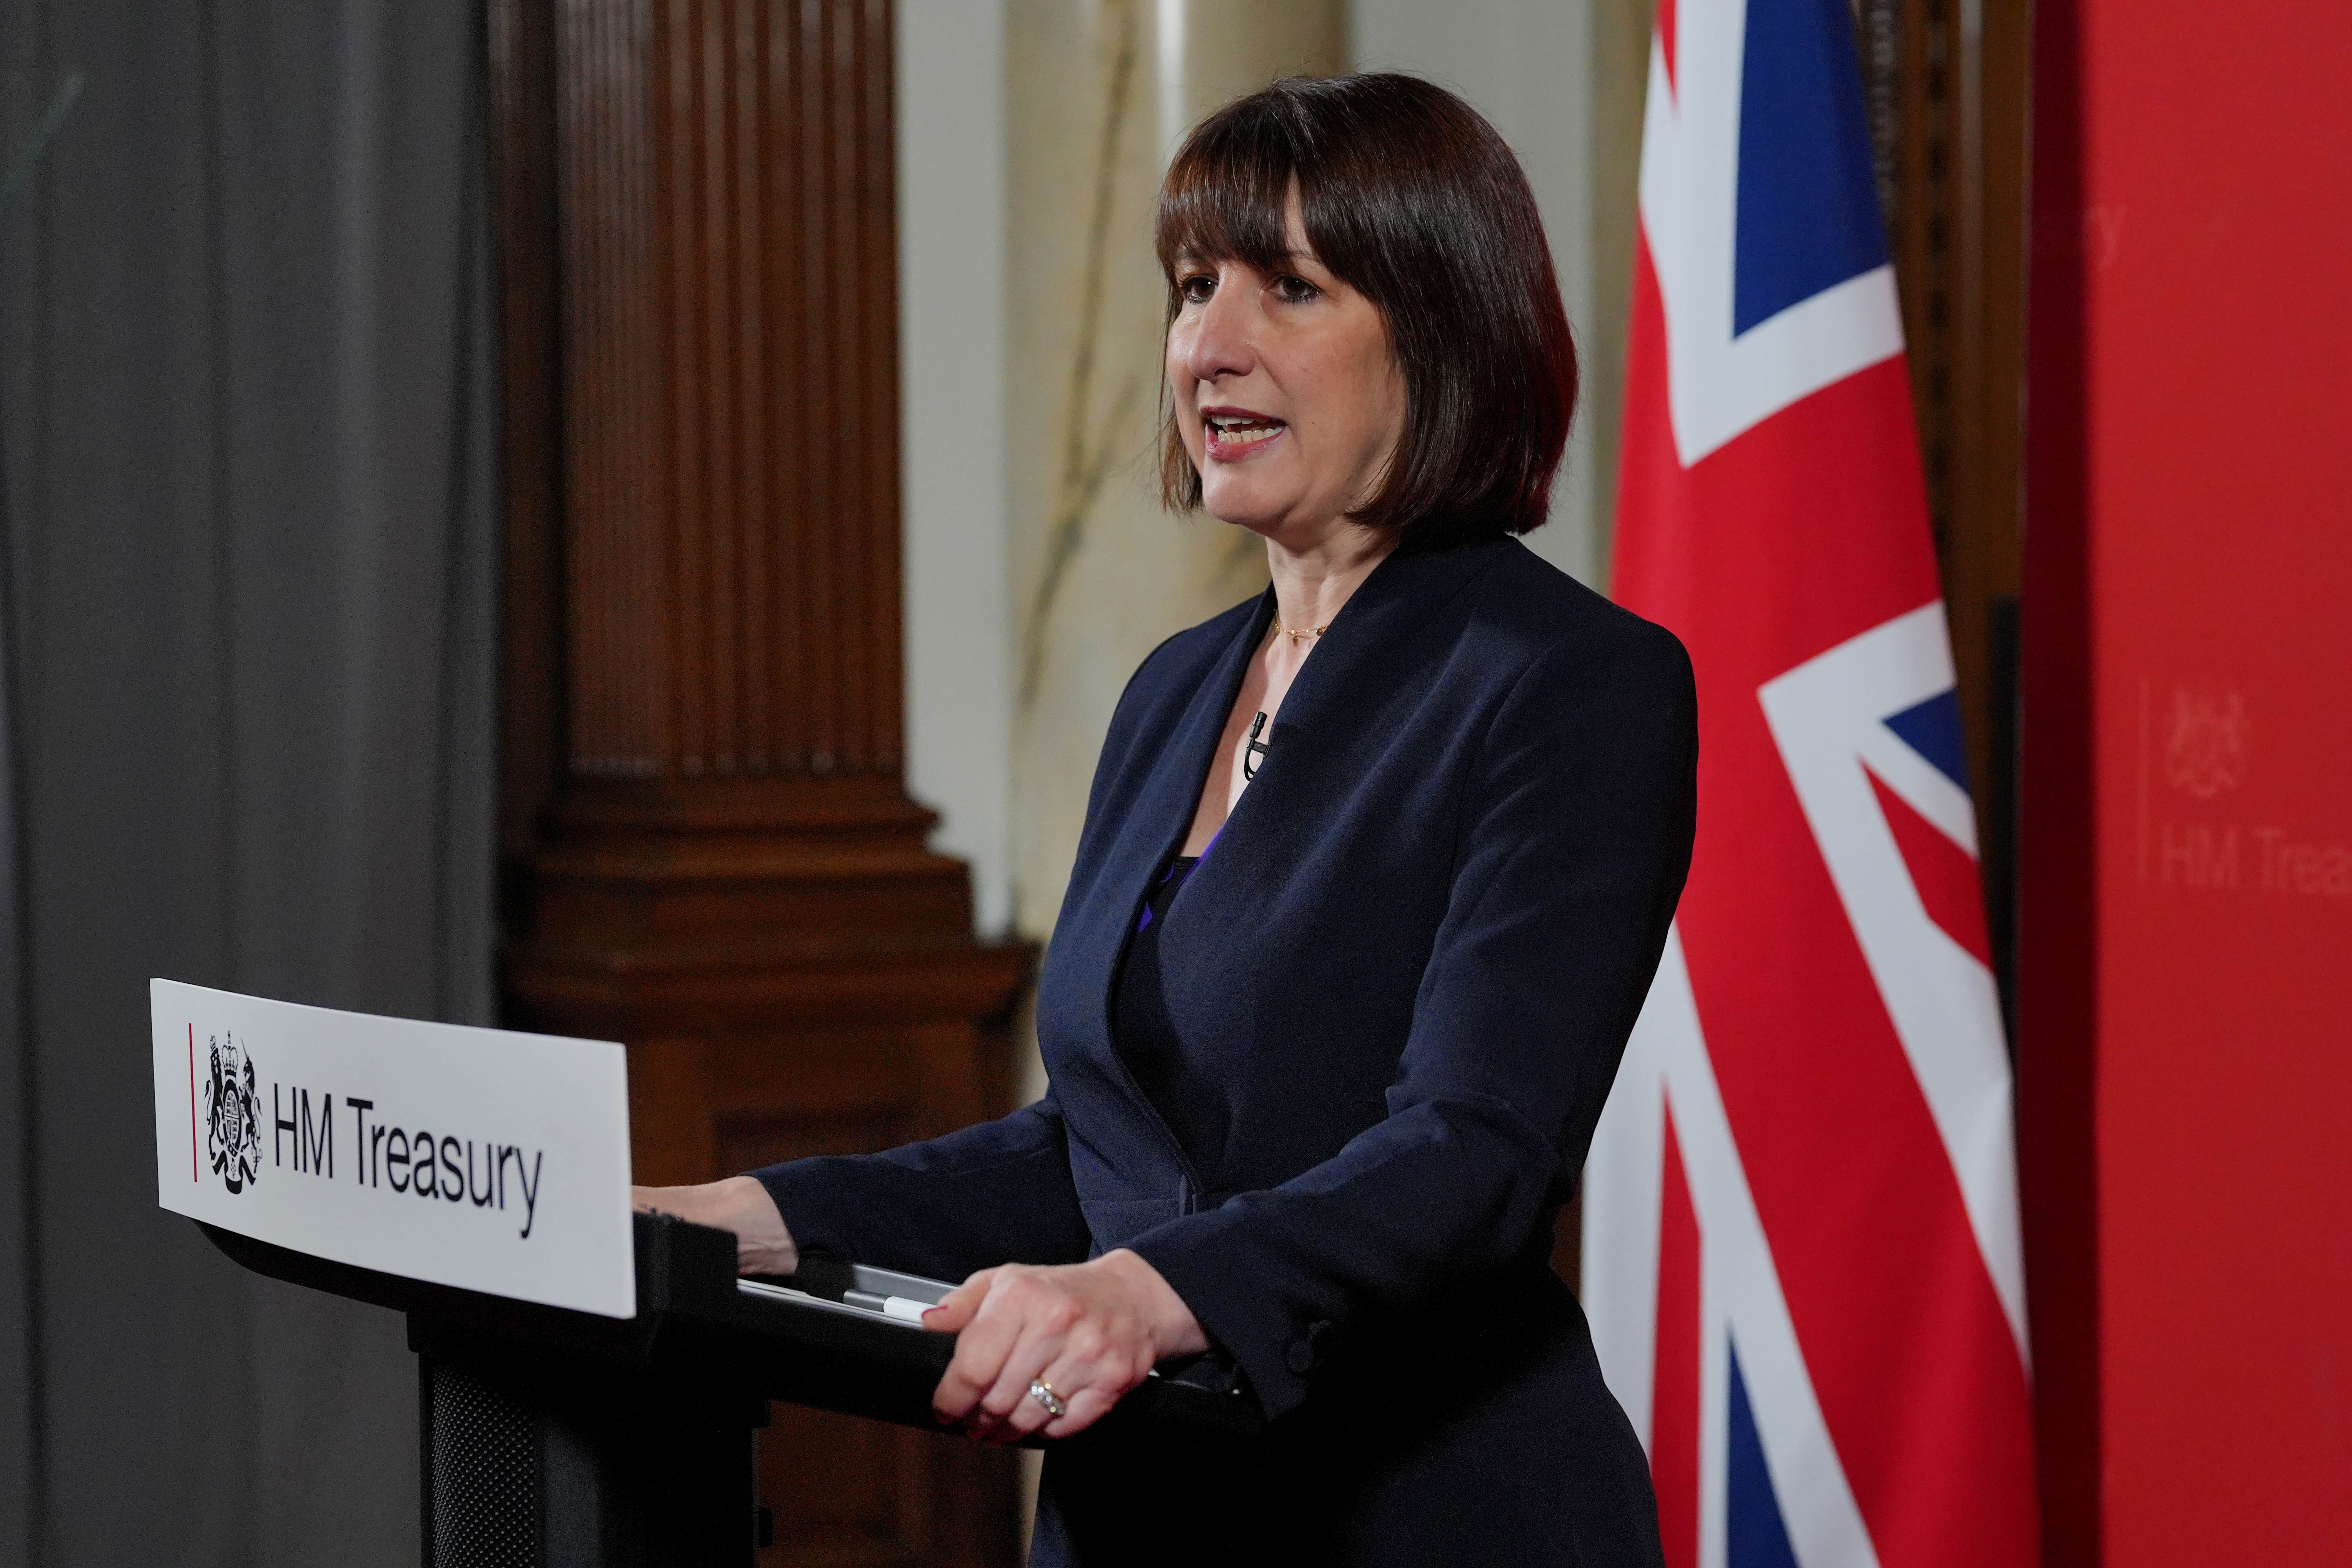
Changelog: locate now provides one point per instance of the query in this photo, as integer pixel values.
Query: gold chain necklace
(1295, 633)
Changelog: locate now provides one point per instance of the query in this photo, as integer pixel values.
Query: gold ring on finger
(1043, 1393)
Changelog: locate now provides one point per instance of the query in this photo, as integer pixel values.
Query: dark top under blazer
(1425, 932)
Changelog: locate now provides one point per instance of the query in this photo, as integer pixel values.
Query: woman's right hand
(740, 1204)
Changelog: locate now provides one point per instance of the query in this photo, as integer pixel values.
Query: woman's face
(1286, 394)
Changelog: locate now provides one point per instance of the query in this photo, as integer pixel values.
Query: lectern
(591, 1382)
(553, 1438)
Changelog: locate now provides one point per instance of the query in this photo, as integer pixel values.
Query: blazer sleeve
(1572, 841)
(996, 1192)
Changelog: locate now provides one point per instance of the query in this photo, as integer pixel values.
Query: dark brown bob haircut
(1410, 198)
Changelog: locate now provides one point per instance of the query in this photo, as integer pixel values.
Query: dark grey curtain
(244, 459)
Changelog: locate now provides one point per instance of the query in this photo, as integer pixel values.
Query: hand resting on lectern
(1084, 1332)
(740, 1204)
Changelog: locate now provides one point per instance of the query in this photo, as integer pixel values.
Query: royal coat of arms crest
(233, 1119)
(2205, 746)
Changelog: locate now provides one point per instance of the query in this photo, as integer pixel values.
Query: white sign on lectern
(479, 1158)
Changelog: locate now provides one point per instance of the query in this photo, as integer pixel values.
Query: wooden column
(1946, 82)
(710, 856)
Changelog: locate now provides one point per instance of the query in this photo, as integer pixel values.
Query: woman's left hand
(1090, 1331)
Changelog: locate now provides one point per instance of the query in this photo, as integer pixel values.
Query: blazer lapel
(1164, 808)
(1155, 828)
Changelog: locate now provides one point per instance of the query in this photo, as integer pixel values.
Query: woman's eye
(1196, 289)
(1294, 290)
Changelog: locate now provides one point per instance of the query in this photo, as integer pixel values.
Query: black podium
(560, 1439)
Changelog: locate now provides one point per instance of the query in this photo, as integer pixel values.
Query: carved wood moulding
(729, 303)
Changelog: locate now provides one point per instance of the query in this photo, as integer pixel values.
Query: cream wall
(1098, 93)
(1039, 568)
(1526, 65)
(1562, 80)
(954, 407)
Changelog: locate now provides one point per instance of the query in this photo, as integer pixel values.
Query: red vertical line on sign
(192, 1102)
(1675, 1365)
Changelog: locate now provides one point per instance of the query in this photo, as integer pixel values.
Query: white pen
(904, 1308)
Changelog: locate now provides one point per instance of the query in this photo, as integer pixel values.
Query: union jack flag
(1801, 1257)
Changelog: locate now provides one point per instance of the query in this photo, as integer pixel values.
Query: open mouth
(1233, 432)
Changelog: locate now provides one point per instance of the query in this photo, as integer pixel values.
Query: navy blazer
(1422, 939)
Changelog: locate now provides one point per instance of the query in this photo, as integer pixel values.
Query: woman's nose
(1221, 340)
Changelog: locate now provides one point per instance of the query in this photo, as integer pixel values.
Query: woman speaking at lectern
(1375, 873)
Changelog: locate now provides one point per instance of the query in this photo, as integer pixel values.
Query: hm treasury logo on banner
(482, 1158)
(1802, 1253)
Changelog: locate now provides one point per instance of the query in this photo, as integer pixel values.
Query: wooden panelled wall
(709, 852)
(1948, 90)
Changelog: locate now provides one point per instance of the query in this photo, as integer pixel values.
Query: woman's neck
(1311, 583)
